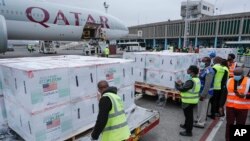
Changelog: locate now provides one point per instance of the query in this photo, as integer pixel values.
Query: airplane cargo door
(91, 31)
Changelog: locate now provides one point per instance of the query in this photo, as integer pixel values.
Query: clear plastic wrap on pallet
(127, 95)
(47, 125)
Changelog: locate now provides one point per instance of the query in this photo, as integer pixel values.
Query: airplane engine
(3, 35)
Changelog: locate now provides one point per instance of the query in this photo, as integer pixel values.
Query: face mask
(237, 77)
(189, 77)
(202, 65)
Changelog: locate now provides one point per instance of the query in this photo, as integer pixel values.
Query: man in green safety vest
(106, 52)
(30, 48)
(189, 98)
(111, 122)
(218, 78)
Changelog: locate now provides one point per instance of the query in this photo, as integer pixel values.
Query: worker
(238, 100)
(206, 92)
(223, 95)
(111, 121)
(106, 52)
(219, 73)
(30, 48)
(232, 64)
(189, 97)
(212, 55)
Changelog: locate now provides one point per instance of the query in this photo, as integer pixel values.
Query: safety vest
(106, 51)
(218, 76)
(231, 69)
(192, 95)
(226, 69)
(116, 128)
(234, 101)
(247, 52)
(202, 76)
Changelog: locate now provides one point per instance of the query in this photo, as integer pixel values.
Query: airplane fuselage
(30, 20)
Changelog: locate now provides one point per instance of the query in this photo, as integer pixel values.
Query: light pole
(106, 6)
(186, 30)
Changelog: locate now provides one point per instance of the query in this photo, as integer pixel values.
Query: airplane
(41, 20)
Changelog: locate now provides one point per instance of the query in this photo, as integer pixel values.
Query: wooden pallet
(154, 90)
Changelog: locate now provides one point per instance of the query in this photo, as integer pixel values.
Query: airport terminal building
(209, 31)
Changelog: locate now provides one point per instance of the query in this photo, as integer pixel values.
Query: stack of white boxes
(48, 98)
(221, 52)
(162, 68)
(165, 68)
(139, 64)
(3, 114)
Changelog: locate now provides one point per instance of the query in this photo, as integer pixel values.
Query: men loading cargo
(206, 92)
(238, 100)
(30, 48)
(111, 121)
(232, 64)
(189, 97)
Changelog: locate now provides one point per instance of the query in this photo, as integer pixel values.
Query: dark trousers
(189, 117)
(232, 115)
(215, 101)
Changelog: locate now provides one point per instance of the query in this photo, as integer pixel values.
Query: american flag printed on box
(53, 123)
(109, 76)
(49, 87)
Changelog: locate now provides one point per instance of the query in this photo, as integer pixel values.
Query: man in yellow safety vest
(111, 122)
(106, 51)
(189, 98)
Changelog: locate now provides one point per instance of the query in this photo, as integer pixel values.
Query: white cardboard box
(153, 77)
(3, 115)
(139, 75)
(37, 85)
(117, 74)
(163, 78)
(138, 58)
(84, 112)
(82, 81)
(127, 95)
(47, 125)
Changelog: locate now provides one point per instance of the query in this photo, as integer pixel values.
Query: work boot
(182, 126)
(184, 133)
(198, 125)
(211, 116)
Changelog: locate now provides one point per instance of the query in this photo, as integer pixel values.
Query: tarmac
(171, 113)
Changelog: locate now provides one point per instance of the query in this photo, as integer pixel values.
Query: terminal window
(204, 7)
